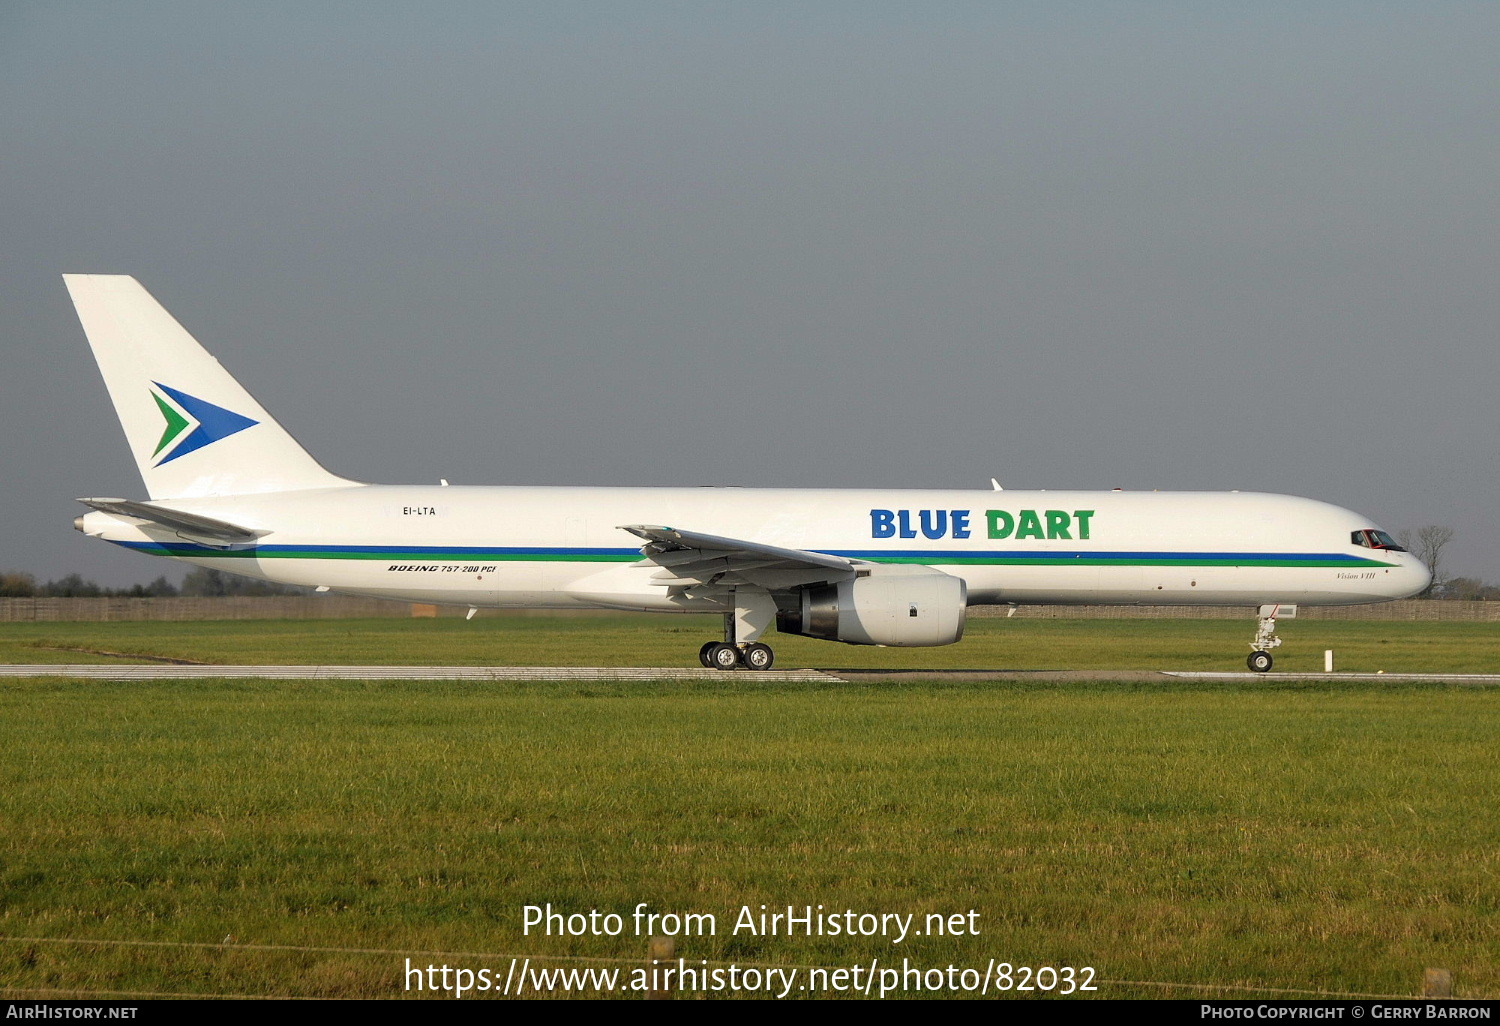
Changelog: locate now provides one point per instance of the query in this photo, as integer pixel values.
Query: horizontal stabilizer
(193, 526)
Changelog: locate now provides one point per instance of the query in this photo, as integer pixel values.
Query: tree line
(1427, 544)
(201, 582)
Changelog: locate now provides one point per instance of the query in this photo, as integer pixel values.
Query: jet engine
(907, 606)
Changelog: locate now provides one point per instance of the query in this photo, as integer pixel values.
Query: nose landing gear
(1265, 637)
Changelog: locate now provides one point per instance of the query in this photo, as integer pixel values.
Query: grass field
(1303, 835)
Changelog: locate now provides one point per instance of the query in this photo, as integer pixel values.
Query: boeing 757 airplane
(229, 488)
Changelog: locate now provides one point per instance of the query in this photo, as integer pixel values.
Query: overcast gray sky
(1149, 245)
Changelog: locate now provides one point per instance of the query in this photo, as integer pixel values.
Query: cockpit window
(1371, 539)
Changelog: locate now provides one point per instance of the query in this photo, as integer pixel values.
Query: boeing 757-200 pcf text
(229, 488)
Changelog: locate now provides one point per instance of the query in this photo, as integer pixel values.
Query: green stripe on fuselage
(1130, 561)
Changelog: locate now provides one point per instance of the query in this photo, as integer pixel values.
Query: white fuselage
(563, 547)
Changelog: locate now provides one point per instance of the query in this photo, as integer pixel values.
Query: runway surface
(159, 671)
(100, 671)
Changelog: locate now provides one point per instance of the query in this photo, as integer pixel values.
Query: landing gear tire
(723, 656)
(706, 653)
(757, 657)
(1260, 662)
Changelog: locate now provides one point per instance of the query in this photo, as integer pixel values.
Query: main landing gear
(1265, 637)
(754, 611)
(726, 655)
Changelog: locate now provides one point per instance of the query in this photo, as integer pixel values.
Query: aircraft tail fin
(192, 428)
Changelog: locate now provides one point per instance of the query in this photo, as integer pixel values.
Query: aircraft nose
(1415, 577)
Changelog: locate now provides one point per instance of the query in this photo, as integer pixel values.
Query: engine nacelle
(909, 606)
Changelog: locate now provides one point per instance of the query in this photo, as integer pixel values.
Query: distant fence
(335, 607)
(1410, 609)
(311, 607)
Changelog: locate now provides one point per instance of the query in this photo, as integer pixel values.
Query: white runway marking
(1244, 675)
(158, 671)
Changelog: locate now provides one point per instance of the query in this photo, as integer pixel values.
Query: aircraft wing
(688, 558)
(191, 526)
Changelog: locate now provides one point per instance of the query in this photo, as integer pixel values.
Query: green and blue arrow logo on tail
(203, 423)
